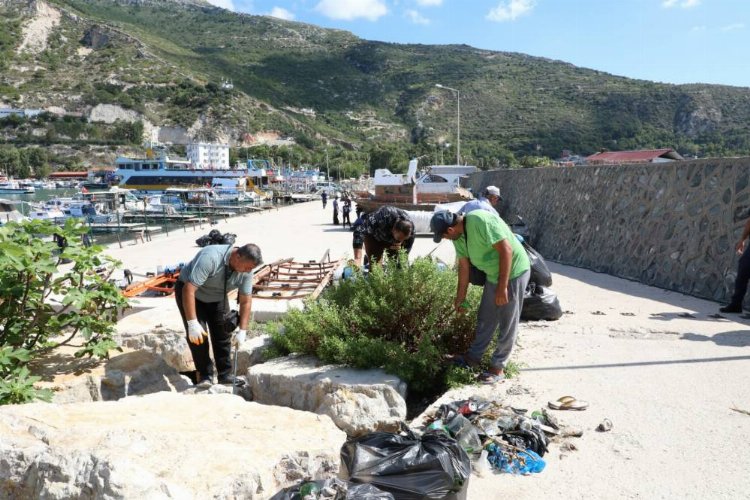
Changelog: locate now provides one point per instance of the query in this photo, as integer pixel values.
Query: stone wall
(670, 225)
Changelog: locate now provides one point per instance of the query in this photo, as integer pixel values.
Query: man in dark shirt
(387, 229)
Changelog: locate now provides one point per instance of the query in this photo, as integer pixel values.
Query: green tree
(10, 161)
(84, 308)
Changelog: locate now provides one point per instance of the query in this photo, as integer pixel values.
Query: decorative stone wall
(671, 225)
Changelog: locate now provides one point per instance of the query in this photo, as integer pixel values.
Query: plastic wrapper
(431, 467)
(332, 489)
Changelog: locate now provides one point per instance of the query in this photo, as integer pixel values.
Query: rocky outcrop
(37, 31)
(129, 374)
(110, 113)
(96, 37)
(358, 401)
(162, 446)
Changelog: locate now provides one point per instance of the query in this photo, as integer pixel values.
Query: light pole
(458, 120)
(328, 171)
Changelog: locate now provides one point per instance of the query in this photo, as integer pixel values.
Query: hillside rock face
(162, 446)
(110, 113)
(96, 37)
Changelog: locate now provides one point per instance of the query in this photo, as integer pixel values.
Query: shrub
(399, 318)
(30, 325)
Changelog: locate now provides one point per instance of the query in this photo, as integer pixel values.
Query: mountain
(164, 67)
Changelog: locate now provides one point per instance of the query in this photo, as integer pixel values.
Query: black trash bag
(433, 467)
(203, 241)
(214, 235)
(519, 227)
(333, 489)
(533, 439)
(540, 273)
(540, 303)
(228, 239)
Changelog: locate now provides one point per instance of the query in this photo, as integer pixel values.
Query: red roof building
(643, 156)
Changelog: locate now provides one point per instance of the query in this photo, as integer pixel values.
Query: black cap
(440, 222)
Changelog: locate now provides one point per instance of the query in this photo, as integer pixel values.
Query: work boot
(731, 308)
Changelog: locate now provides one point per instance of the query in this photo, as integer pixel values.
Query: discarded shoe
(605, 426)
(731, 309)
(205, 382)
(568, 403)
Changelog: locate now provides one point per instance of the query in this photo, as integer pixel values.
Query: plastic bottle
(309, 490)
(483, 465)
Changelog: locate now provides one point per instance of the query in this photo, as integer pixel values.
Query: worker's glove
(195, 332)
(239, 337)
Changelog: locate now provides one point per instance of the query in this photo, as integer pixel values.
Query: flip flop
(489, 378)
(568, 403)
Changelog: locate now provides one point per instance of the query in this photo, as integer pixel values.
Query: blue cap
(440, 222)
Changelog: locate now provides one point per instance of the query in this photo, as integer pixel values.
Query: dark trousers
(335, 216)
(345, 219)
(211, 314)
(374, 249)
(743, 276)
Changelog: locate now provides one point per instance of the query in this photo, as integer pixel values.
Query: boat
(157, 172)
(412, 191)
(10, 186)
(99, 179)
(8, 212)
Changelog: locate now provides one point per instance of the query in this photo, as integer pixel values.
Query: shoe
(205, 382)
(492, 377)
(234, 381)
(731, 309)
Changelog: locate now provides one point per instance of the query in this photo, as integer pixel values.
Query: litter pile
(214, 237)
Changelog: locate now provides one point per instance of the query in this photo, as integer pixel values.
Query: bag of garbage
(540, 273)
(431, 467)
(540, 303)
(203, 241)
(214, 235)
(332, 489)
(228, 239)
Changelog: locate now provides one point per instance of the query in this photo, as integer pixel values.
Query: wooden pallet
(162, 283)
(288, 279)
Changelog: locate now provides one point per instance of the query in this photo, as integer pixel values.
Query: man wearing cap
(484, 240)
(488, 201)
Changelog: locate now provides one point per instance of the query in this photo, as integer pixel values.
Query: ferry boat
(156, 174)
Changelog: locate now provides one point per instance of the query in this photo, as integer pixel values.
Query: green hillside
(366, 101)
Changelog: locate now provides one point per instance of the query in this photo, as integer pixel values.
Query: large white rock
(162, 446)
(358, 401)
(128, 374)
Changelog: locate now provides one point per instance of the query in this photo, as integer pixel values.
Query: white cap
(493, 190)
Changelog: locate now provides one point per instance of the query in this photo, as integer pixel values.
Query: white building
(205, 155)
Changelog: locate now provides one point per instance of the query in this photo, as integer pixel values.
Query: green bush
(31, 324)
(399, 318)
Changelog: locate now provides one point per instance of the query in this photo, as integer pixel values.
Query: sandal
(568, 403)
(489, 378)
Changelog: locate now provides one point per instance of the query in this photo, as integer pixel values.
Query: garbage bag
(214, 235)
(518, 226)
(540, 273)
(203, 241)
(431, 467)
(228, 239)
(332, 489)
(540, 303)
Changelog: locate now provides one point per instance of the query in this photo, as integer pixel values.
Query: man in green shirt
(483, 240)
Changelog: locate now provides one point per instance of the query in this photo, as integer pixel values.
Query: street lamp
(458, 120)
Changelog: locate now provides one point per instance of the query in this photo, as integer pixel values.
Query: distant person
(743, 273)
(324, 198)
(484, 240)
(201, 295)
(388, 229)
(346, 210)
(336, 210)
(488, 201)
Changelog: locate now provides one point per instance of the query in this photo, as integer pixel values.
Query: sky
(671, 41)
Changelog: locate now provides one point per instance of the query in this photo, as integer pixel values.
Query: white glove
(239, 337)
(195, 332)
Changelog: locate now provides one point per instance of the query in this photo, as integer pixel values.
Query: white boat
(8, 212)
(13, 187)
(419, 191)
(161, 172)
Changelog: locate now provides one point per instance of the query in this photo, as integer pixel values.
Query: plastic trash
(482, 466)
(540, 303)
(332, 489)
(411, 468)
(540, 273)
(465, 434)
